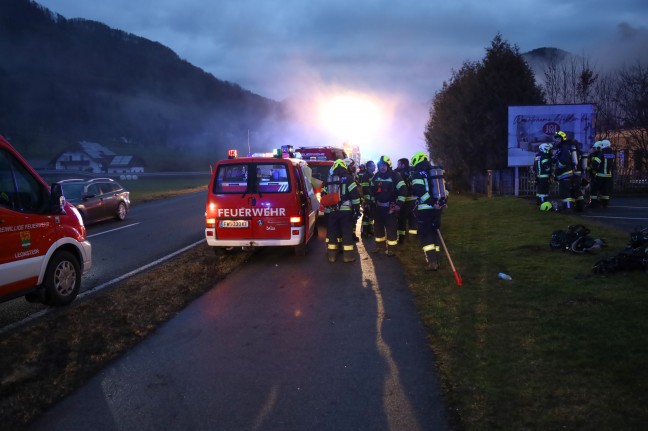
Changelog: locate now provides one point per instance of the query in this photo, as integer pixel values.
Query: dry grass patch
(44, 361)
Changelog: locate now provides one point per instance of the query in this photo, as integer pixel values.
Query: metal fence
(503, 182)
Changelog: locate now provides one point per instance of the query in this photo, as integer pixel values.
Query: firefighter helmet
(419, 157)
(596, 145)
(560, 135)
(545, 206)
(339, 163)
(384, 159)
(605, 144)
(546, 148)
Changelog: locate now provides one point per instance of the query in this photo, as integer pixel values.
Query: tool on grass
(456, 274)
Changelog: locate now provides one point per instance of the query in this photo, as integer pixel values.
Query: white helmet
(596, 145)
(605, 144)
(545, 148)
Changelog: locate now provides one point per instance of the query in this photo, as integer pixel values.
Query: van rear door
(274, 198)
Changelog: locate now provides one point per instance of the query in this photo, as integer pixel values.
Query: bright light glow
(352, 118)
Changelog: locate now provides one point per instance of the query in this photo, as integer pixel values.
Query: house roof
(94, 150)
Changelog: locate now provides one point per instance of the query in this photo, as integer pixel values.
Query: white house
(95, 158)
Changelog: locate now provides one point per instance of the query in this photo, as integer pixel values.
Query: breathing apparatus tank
(574, 155)
(332, 196)
(436, 181)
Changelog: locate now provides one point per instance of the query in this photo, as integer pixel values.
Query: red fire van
(261, 201)
(43, 248)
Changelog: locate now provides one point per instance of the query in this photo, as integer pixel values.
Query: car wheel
(62, 279)
(121, 211)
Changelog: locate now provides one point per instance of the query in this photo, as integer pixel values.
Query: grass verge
(558, 347)
(44, 361)
(555, 348)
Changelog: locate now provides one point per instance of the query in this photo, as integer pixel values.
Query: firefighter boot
(390, 250)
(331, 254)
(431, 257)
(379, 247)
(349, 256)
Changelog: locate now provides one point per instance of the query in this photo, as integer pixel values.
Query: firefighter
(406, 217)
(564, 170)
(579, 184)
(603, 162)
(340, 220)
(351, 167)
(388, 191)
(367, 200)
(428, 185)
(543, 168)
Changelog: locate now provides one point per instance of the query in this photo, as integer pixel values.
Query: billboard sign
(530, 126)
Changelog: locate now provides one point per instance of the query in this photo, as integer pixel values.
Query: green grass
(147, 188)
(558, 347)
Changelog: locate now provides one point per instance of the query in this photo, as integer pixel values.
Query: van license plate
(234, 223)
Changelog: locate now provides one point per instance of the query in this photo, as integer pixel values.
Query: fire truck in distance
(320, 160)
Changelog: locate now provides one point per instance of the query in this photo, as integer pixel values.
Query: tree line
(467, 127)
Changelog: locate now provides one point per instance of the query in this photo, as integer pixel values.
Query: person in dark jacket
(367, 200)
(543, 168)
(564, 170)
(406, 216)
(388, 191)
(603, 162)
(340, 221)
(428, 186)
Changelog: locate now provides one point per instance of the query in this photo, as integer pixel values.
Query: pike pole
(456, 274)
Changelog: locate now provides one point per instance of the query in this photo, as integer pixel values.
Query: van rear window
(231, 179)
(272, 178)
(234, 178)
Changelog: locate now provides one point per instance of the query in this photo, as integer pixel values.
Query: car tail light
(211, 223)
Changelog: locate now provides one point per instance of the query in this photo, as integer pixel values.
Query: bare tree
(570, 81)
(632, 100)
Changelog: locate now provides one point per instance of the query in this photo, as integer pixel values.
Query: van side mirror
(57, 200)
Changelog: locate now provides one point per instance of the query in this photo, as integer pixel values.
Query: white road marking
(101, 286)
(113, 230)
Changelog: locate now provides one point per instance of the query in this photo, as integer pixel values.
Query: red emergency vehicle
(320, 159)
(44, 248)
(261, 201)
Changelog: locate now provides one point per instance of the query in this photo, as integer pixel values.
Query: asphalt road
(283, 343)
(151, 231)
(625, 213)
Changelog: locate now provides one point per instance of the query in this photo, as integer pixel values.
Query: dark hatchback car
(97, 199)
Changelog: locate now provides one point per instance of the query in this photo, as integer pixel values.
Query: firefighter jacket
(603, 162)
(406, 174)
(388, 188)
(564, 164)
(349, 193)
(365, 186)
(542, 164)
(428, 186)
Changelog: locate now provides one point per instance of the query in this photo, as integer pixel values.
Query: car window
(93, 189)
(72, 191)
(231, 178)
(272, 178)
(19, 190)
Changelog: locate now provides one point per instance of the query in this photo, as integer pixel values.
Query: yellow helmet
(419, 157)
(384, 159)
(338, 163)
(560, 135)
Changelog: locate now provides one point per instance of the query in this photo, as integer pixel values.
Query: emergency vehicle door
(275, 201)
(26, 230)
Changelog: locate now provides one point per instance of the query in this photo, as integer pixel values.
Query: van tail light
(296, 221)
(211, 223)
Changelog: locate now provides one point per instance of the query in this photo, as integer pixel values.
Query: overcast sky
(398, 52)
